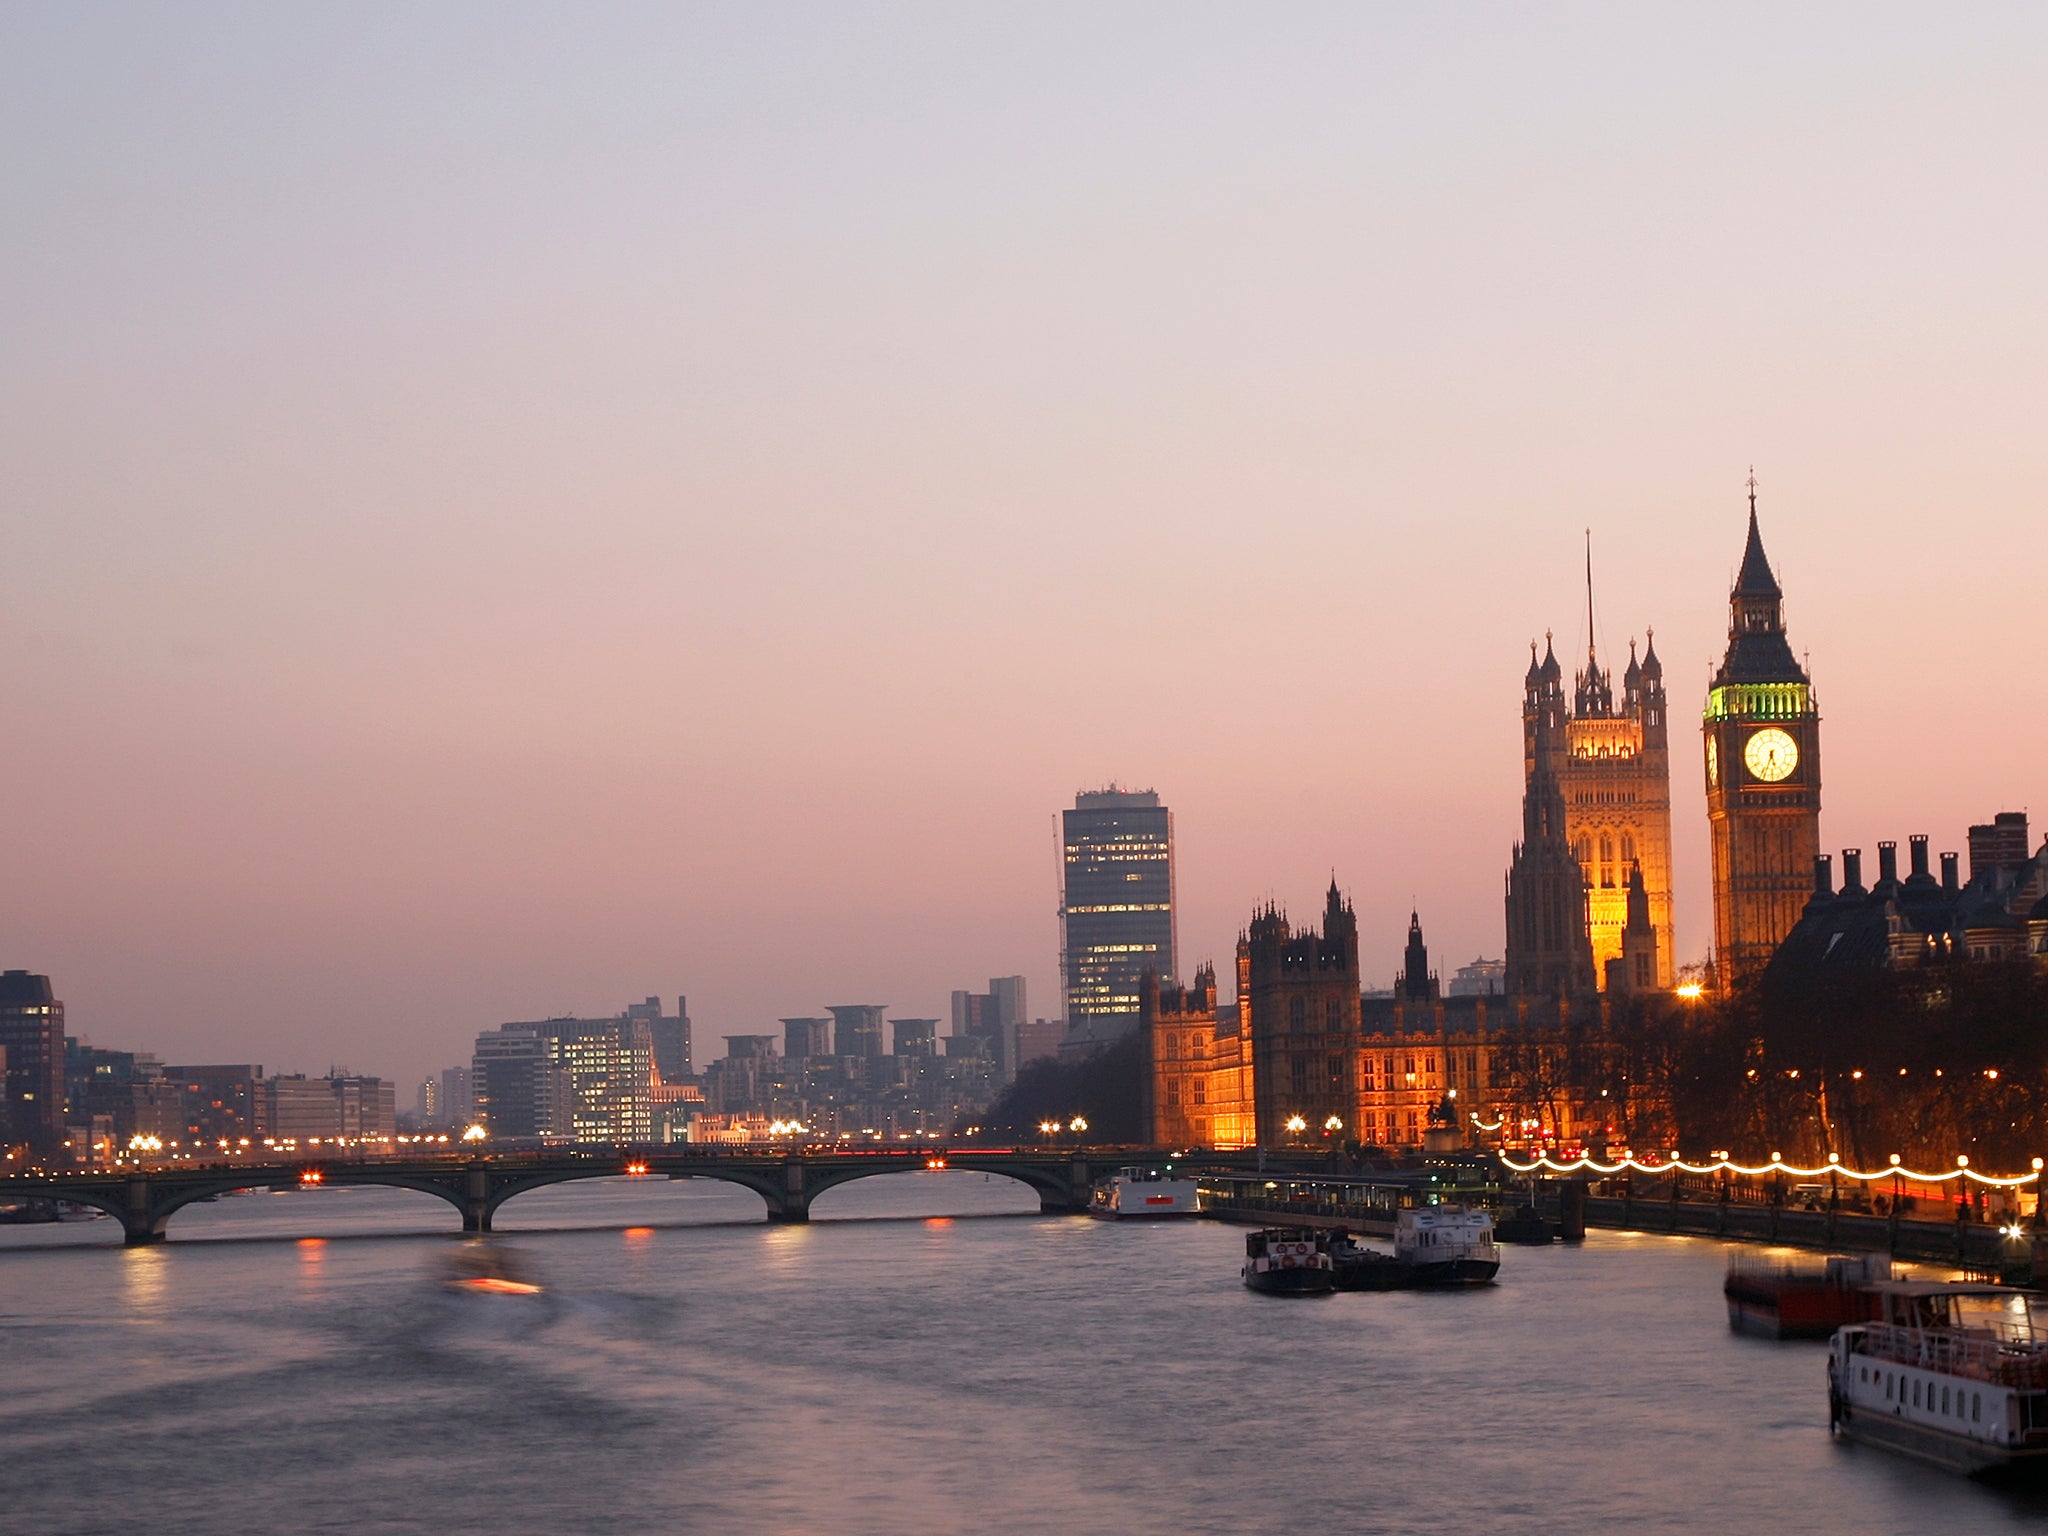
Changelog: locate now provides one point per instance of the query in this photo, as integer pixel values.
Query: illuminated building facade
(1638, 967)
(1611, 760)
(611, 1070)
(1761, 733)
(1224, 1074)
(1116, 909)
(1199, 1091)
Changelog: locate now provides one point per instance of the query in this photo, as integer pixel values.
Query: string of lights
(1777, 1164)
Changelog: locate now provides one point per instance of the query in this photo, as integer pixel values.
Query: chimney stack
(1888, 863)
(1852, 872)
(1919, 845)
(1823, 876)
(1949, 882)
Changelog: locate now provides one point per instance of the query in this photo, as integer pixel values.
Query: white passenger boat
(1446, 1245)
(1950, 1372)
(1142, 1192)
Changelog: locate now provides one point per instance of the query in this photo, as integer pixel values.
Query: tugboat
(1288, 1261)
(1781, 1299)
(1142, 1192)
(1950, 1372)
(1446, 1245)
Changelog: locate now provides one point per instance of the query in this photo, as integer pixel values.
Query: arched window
(1628, 848)
(1333, 1016)
(1297, 1015)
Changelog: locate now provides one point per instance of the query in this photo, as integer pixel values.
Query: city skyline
(456, 583)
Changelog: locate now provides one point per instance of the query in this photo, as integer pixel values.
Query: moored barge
(1778, 1298)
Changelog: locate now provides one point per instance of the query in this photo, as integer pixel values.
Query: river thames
(928, 1354)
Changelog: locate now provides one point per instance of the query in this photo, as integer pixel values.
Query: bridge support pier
(139, 1225)
(476, 1203)
(795, 1204)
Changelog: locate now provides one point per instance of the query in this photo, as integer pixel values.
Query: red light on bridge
(636, 1169)
(311, 1176)
(935, 1162)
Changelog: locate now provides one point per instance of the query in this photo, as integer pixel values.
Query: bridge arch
(774, 1199)
(169, 1202)
(1053, 1186)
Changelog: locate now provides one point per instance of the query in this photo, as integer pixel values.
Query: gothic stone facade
(1303, 1043)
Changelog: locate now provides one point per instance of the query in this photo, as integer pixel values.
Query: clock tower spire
(1762, 738)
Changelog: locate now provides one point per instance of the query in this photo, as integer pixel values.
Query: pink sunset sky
(511, 509)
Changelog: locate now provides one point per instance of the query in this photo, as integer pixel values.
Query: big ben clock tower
(1762, 735)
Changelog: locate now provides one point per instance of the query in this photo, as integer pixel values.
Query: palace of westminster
(1303, 1054)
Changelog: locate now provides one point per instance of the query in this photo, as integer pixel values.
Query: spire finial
(1590, 650)
(1752, 490)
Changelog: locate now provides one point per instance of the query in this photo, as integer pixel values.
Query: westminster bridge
(144, 1199)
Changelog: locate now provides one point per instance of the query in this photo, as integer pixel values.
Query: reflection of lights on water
(638, 1234)
(142, 1277)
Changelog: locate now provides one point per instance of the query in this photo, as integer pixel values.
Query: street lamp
(1078, 1125)
(1332, 1125)
(475, 1133)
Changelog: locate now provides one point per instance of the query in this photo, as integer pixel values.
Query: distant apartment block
(988, 1023)
(669, 1035)
(857, 1029)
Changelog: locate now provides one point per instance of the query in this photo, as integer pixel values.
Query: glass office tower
(1116, 908)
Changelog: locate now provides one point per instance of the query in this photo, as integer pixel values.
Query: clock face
(1770, 755)
(1713, 761)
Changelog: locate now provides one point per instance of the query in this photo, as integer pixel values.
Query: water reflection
(144, 1272)
(936, 1371)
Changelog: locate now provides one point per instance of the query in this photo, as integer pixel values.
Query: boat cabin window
(1976, 1407)
(1944, 1399)
(1887, 1385)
